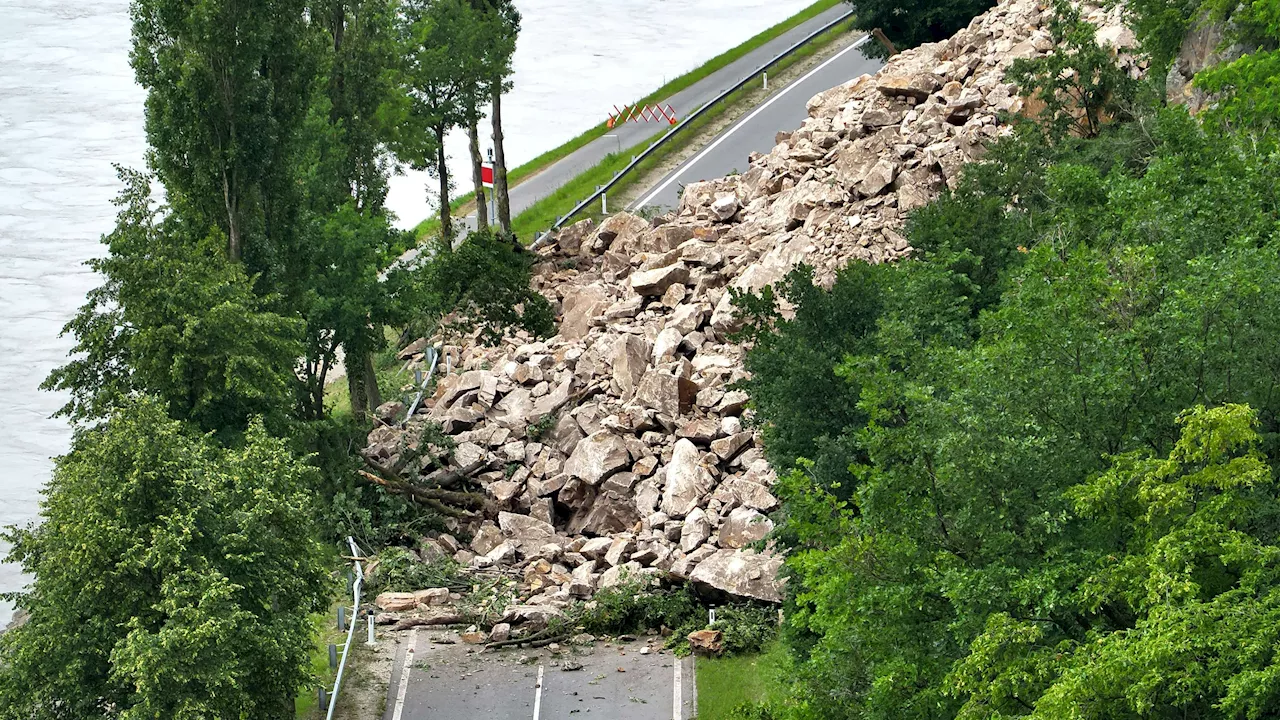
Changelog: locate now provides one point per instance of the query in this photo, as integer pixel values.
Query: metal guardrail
(422, 389)
(356, 586)
(636, 160)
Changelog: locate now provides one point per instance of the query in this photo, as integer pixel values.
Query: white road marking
(537, 697)
(404, 674)
(658, 190)
(693, 684)
(677, 701)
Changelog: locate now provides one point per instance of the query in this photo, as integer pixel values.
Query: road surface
(460, 682)
(632, 135)
(755, 131)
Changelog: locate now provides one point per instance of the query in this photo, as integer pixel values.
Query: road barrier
(357, 585)
(637, 159)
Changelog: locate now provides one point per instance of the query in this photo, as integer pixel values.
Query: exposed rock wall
(619, 446)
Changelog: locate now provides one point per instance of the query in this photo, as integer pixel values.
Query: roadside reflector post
(766, 81)
(371, 638)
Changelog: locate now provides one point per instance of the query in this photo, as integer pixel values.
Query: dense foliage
(173, 578)
(178, 561)
(913, 22)
(1032, 469)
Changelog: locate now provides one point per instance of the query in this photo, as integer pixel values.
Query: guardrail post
(342, 618)
(333, 656)
(324, 699)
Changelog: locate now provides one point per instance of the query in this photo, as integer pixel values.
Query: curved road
(632, 135)
(784, 110)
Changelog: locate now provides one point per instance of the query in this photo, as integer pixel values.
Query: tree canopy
(173, 578)
(1030, 471)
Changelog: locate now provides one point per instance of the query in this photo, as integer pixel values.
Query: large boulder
(750, 493)
(695, 531)
(527, 533)
(581, 306)
(396, 601)
(655, 282)
(570, 239)
(687, 480)
(744, 573)
(621, 233)
(486, 538)
(668, 394)
(915, 86)
(743, 527)
(608, 513)
(597, 456)
(630, 361)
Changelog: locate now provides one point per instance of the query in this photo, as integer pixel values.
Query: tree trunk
(482, 212)
(233, 219)
(500, 193)
(356, 386)
(446, 227)
(371, 393)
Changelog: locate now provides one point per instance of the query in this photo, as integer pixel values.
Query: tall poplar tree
(443, 67)
(227, 87)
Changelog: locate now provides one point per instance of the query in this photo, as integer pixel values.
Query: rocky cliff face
(618, 447)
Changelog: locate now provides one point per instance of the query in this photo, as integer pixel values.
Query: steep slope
(618, 447)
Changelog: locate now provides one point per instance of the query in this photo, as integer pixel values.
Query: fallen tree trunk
(431, 497)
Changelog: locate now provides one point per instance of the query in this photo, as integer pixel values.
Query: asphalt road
(631, 136)
(434, 681)
(755, 131)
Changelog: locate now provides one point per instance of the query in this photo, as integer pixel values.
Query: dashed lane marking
(404, 674)
(537, 697)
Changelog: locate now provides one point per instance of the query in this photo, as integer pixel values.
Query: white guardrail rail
(357, 585)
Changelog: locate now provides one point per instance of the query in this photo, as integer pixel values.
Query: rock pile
(619, 448)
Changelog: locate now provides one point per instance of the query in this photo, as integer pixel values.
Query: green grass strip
(672, 87)
(725, 683)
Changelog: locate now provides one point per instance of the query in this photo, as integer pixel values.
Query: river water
(69, 109)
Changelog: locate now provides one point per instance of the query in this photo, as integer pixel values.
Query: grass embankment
(540, 216)
(326, 631)
(725, 683)
(463, 204)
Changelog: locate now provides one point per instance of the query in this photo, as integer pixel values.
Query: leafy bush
(911, 22)
(630, 608)
(399, 569)
(746, 628)
(482, 285)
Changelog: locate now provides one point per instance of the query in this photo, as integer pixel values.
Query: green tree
(503, 27)
(443, 69)
(345, 229)
(173, 578)
(1079, 85)
(912, 23)
(1191, 569)
(482, 286)
(176, 319)
(227, 87)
